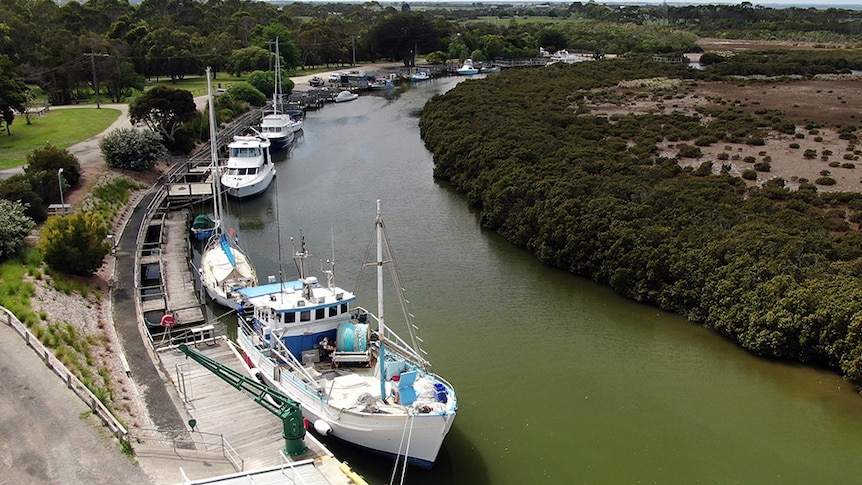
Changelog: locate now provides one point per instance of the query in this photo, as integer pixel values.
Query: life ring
(394, 395)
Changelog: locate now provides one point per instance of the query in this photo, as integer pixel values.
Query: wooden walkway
(252, 431)
(180, 290)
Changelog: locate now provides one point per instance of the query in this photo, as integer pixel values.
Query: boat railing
(190, 440)
(280, 352)
(393, 340)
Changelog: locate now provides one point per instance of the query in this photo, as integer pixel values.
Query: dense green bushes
(776, 270)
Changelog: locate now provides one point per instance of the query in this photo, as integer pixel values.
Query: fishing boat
(224, 266)
(249, 169)
(277, 127)
(356, 379)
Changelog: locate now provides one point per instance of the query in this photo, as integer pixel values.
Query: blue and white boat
(354, 377)
(468, 69)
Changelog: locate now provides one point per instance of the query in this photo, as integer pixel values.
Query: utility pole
(95, 80)
(354, 50)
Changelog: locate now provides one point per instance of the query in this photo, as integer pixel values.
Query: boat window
(320, 314)
(252, 171)
(305, 316)
(289, 317)
(344, 308)
(333, 311)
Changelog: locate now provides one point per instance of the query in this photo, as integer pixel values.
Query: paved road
(38, 413)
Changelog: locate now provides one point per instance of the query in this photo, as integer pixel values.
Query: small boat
(345, 96)
(316, 81)
(468, 69)
(277, 127)
(296, 118)
(203, 227)
(354, 377)
(490, 69)
(224, 266)
(420, 75)
(249, 169)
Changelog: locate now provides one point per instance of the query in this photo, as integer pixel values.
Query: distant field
(61, 127)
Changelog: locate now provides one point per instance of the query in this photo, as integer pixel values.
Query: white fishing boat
(468, 69)
(277, 127)
(355, 378)
(224, 267)
(249, 169)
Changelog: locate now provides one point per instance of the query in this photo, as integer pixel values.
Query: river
(559, 380)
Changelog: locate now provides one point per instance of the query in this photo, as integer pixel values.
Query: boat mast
(276, 94)
(378, 223)
(214, 152)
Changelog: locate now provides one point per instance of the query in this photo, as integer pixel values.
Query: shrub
(848, 165)
(14, 227)
(809, 153)
(834, 164)
(76, 243)
(848, 156)
(818, 138)
(688, 151)
(825, 181)
(749, 159)
(131, 149)
(762, 166)
(244, 91)
(794, 145)
(826, 152)
(749, 174)
(50, 158)
(724, 156)
(705, 140)
(799, 136)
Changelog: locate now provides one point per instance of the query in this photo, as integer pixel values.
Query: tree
(75, 244)
(130, 149)
(14, 227)
(163, 109)
(243, 91)
(290, 55)
(400, 35)
(248, 59)
(13, 94)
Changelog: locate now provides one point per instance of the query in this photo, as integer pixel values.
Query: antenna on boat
(330, 273)
(300, 256)
(278, 238)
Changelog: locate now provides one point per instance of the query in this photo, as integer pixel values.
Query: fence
(63, 373)
(184, 439)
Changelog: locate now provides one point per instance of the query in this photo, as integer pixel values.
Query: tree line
(777, 270)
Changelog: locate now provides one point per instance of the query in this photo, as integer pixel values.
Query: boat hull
(380, 433)
(239, 188)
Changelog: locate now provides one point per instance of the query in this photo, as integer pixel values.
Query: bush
(18, 188)
(705, 140)
(51, 159)
(825, 181)
(131, 149)
(848, 165)
(794, 145)
(14, 227)
(688, 151)
(76, 243)
(818, 138)
(749, 159)
(243, 91)
(749, 174)
(809, 153)
(723, 156)
(762, 166)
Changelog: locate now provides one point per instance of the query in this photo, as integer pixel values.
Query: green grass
(61, 127)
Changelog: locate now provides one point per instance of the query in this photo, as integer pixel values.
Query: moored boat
(277, 127)
(420, 75)
(356, 379)
(249, 169)
(224, 266)
(345, 95)
(468, 69)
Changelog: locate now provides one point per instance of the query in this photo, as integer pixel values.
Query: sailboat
(354, 377)
(277, 127)
(224, 267)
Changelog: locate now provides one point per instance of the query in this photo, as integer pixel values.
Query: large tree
(400, 36)
(13, 94)
(163, 109)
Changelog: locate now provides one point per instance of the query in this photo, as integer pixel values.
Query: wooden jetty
(253, 434)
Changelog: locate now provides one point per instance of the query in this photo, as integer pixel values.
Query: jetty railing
(186, 440)
(72, 382)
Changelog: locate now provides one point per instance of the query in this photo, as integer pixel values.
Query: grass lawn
(61, 127)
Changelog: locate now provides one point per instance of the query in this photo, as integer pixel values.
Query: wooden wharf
(180, 292)
(252, 433)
